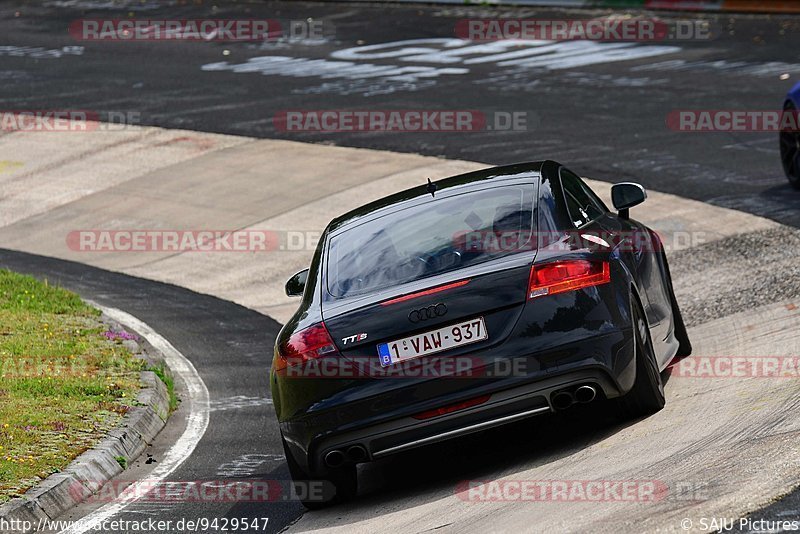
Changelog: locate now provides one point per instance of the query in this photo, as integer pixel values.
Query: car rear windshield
(441, 235)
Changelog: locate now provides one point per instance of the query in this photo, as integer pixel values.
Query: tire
(335, 486)
(646, 397)
(685, 346)
(790, 152)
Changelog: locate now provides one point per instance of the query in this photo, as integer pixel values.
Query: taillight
(569, 275)
(307, 344)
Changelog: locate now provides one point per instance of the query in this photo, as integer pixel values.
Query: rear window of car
(441, 235)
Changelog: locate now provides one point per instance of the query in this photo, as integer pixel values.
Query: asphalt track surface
(606, 119)
(230, 347)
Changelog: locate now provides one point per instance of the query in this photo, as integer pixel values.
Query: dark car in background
(790, 140)
(468, 303)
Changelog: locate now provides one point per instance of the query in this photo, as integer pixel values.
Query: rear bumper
(405, 433)
(502, 408)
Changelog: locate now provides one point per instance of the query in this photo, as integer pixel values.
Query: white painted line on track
(196, 424)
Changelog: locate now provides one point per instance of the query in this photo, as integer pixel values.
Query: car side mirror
(625, 195)
(297, 284)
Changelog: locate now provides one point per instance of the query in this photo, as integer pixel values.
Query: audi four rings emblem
(423, 314)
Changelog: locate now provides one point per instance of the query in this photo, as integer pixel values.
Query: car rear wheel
(335, 486)
(790, 152)
(647, 394)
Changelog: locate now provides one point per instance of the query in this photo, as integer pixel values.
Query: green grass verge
(65, 381)
(162, 372)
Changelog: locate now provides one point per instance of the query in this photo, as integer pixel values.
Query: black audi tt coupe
(468, 303)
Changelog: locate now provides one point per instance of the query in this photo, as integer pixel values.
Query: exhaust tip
(561, 400)
(356, 453)
(334, 458)
(585, 393)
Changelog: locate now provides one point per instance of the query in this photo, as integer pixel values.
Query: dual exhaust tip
(564, 398)
(338, 457)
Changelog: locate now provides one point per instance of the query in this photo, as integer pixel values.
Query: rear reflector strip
(425, 292)
(436, 412)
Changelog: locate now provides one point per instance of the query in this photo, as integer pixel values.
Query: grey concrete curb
(89, 471)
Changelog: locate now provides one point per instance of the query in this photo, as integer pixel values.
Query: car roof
(410, 196)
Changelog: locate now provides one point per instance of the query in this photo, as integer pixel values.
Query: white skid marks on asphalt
(237, 402)
(747, 68)
(39, 52)
(449, 57)
(196, 424)
(247, 465)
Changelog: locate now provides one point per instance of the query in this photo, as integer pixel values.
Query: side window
(582, 204)
(599, 204)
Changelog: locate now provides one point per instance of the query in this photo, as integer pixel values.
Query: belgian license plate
(431, 342)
